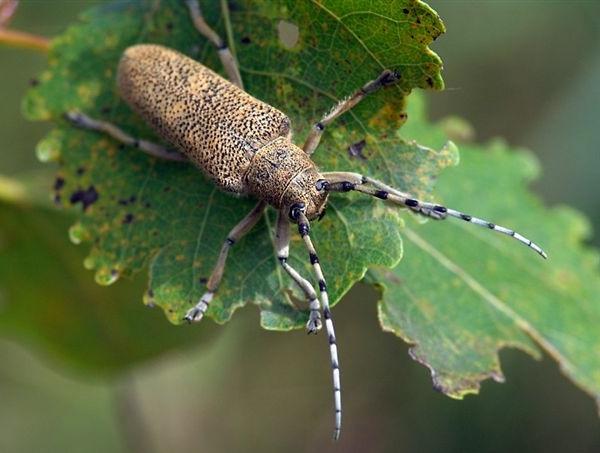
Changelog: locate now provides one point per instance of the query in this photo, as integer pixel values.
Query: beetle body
(241, 143)
(245, 147)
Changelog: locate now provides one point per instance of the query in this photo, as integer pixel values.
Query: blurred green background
(527, 71)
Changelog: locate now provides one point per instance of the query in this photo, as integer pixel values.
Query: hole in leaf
(288, 34)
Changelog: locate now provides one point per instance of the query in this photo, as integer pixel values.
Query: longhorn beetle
(244, 146)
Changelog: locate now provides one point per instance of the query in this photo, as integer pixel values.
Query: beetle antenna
(382, 191)
(304, 230)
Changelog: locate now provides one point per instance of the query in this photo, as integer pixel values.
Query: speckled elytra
(245, 146)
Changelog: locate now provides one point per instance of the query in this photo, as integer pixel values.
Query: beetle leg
(227, 58)
(237, 232)
(282, 245)
(387, 77)
(81, 120)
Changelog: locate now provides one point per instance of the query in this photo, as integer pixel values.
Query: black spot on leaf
(86, 197)
(356, 150)
(59, 183)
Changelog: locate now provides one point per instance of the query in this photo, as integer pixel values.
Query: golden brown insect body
(241, 143)
(245, 147)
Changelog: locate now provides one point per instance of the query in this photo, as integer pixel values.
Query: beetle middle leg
(282, 245)
(197, 312)
(386, 78)
(227, 58)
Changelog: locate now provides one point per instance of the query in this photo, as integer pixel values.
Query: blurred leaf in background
(528, 72)
(47, 298)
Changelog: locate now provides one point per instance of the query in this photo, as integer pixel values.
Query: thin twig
(15, 38)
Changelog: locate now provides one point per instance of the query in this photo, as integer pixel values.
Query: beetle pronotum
(244, 146)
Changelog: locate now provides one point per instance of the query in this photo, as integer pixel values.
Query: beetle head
(306, 194)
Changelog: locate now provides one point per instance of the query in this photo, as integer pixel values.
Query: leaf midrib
(494, 301)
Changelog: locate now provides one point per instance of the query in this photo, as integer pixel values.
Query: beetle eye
(321, 184)
(295, 210)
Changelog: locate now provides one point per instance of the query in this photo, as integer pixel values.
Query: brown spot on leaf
(391, 115)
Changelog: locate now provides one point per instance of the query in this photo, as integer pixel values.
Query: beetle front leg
(197, 312)
(386, 78)
(282, 245)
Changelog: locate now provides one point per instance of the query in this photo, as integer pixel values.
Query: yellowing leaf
(139, 212)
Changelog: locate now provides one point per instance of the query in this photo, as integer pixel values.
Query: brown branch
(15, 38)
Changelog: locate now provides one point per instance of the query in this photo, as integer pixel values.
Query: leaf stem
(20, 39)
(130, 418)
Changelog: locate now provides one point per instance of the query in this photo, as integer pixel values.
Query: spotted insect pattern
(245, 147)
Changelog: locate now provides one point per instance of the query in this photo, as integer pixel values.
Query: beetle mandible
(245, 146)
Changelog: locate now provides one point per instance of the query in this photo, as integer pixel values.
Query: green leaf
(141, 211)
(463, 293)
(47, 299)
